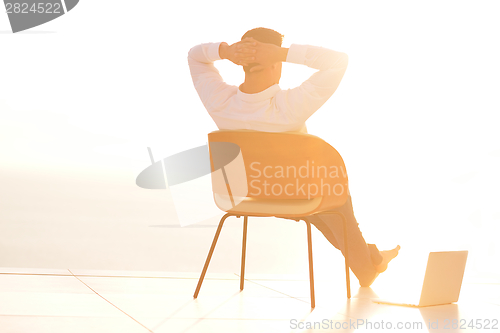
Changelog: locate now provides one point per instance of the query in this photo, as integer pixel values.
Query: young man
(260, 104)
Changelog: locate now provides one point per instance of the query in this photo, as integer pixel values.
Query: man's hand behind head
(264, 54)
(241, 53)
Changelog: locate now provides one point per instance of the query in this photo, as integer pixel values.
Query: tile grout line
(157, 277)
(298, 299)
(109, 301)
(208, 313)
(37, 274)
(171, 316)
(121, 276)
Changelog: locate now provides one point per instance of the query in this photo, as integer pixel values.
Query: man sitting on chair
(259, 104)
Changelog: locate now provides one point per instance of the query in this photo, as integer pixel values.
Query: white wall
(81, 98)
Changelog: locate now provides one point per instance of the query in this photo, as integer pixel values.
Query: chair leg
(346, 249)
(311, 274)
(243, 252)
(214, 242)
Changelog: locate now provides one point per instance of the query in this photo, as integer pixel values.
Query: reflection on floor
(52, 300)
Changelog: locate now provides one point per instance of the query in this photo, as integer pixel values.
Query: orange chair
(286, 175)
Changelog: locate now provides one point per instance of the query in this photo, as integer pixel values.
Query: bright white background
(415, 118)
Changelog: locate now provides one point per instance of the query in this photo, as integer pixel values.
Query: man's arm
(303, 101)
(307, 98)
(206, 78)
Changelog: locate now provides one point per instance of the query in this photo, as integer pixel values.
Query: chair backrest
(286, 165)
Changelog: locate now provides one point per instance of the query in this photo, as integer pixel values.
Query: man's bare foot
(382, 259)
(387, 256)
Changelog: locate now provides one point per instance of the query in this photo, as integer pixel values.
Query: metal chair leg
(346, 249)
(214, 242)
(243, 252)
(311, 273)
(346, 252)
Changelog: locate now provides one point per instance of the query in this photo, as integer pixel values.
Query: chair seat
(268, 207)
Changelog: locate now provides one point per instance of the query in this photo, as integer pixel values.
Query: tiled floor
(48, 300)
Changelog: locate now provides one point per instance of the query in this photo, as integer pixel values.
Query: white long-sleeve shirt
(273, 109)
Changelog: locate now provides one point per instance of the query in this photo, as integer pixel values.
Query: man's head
(263, 35)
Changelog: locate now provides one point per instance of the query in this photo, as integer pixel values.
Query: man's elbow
(191, 52)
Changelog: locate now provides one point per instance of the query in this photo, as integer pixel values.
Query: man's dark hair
(263, 35)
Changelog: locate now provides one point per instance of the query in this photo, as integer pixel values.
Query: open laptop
(442, 281)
